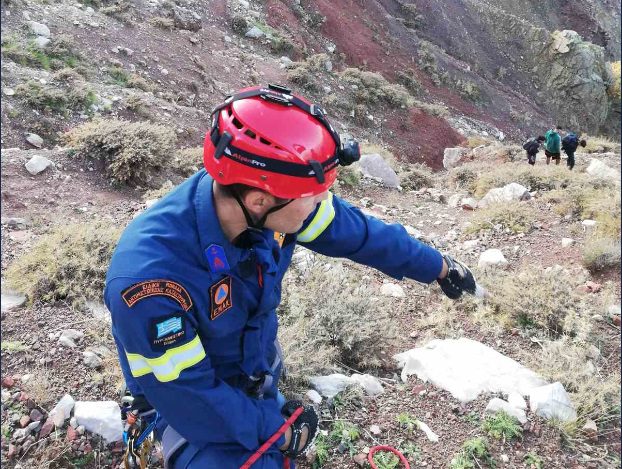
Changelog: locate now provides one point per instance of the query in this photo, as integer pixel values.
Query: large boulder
(600, 170)
(374, 166)
(552, 402)
(508, 193)
(186, 19)
(452, 156)
(103, 418)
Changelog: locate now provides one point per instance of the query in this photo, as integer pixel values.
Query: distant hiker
(195, 281)
(552, 142)
(532, 146)
(569, 144)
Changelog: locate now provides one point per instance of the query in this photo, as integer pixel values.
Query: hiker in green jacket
(552, 145)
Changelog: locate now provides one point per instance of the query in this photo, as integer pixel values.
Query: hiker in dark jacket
(569, 144)
(552, 145)
(532, 146)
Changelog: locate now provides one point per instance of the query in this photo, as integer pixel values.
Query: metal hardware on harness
(137, 436)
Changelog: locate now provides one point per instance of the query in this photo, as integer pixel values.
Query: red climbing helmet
(268, 138)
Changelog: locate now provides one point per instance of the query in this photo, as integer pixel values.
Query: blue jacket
(194, 317)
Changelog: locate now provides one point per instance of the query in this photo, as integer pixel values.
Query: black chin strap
(252, 224)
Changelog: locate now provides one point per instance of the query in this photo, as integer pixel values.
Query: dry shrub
(540, 301)
(349, 176)
(132, 152)
(372, 88)
(601, 253)
(60, 96)
(188, 161)
(305, 73)
(516, 217)
(39, 388)
(600, 144)
(574, 363)
(331, 317)
(541, 178)
(416, 177)
(67, 264)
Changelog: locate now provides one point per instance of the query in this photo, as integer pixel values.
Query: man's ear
(257, 201)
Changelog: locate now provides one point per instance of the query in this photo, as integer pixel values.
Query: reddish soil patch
(423, 139)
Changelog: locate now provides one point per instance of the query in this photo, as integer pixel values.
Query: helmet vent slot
(250, 133)
(264, 141)
(237, 123)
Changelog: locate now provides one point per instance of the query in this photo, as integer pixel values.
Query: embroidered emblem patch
(141, 290)
(220, 296)
(167, 330)
(216, 258)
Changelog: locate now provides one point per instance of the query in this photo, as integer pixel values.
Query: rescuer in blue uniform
(194, 282)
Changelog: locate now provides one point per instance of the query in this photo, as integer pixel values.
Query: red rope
(263, 448)
(370, 456)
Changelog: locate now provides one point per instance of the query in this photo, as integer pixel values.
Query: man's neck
(230, 215)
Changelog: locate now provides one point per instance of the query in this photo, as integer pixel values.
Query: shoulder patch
(142, 290)
(220, 297)
(167, 330)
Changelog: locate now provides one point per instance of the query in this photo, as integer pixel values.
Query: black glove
(308, 419)
(459, 279)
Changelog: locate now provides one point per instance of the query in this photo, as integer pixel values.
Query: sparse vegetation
(349, 176)
(59, 53)
(601, 253)
(60, 98)
(68, 264)
(132, 152)
(502, 427)
(188, 161)
(473, 452)
(305, 73)
(614, 86)
(372, 88)
(416, 177)
(516, 218)
(162, 22)
(533, 461)
(345, 434)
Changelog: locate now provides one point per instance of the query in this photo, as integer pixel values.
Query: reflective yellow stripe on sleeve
(168, 366)
(320, 221)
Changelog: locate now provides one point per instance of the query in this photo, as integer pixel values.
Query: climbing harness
(138, 435)
(375, 449)
(263, 448)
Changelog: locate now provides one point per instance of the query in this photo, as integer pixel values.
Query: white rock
(599, 169)
(244, 4)
(468, 203)
(373, 165)
(588, 224)
(470, 244)
(314, 396)
(552, 402)
(34, 140)
(491, 258)
(614, 310)
(430, 435)
(508, 193)
(516, 400)
(8, 91)
(99, 311)
(466, 368)
(255, 33)
(392, 289)
(331, 385)
(39, 29)
(103, 418)
(41, 42)
(451, 157)
(504, 458)
(370, 384)
(62, 410)
(375, 430)
(496, 404)
(91, 359)
(73, 422)
(37, 164)
(69, 336)
(11, 299)
(567, 242)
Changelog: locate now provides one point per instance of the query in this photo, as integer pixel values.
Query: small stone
(504, 458)
(593, 286)
(392, 289)
(8, 382)
(254, 33)
(41, 42)
(567, 242)
(616, 320)
(8, 91)
(39, 29)
(164, 71)
(91, 360)
(72, 434)
(80, 429)
(38, 164)
(375, 430)
(314, 396)
(73, 422)
(590, 430)
(361, 459)
(12, 451)
(24, 420)
(34, 140)
(36, 415)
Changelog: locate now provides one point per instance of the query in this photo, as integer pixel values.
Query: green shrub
(533, 461)
(416, 177)
(305, 73)
(349, 176)
(57, 97)
(601, 253)
(372, 88)
(473, 451)
(502, 426)
(516, 217)
(188, 161)
(59, 53)
(68, 264)
(132, 152)
(162, 22)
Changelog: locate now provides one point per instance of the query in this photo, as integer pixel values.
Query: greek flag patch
(169, 326)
